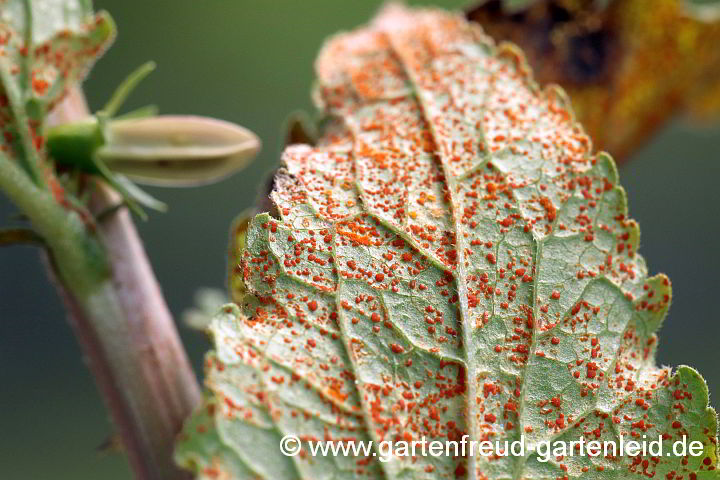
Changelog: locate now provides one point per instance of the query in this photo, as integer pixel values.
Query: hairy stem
(128, 336)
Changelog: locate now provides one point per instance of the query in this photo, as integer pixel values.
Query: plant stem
(129, 338)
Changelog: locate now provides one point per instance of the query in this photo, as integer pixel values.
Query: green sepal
(133, 196)
(74, 144)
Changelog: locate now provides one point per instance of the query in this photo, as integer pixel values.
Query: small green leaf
(451, 259)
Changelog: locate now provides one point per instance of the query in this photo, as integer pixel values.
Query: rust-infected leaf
(450, 259)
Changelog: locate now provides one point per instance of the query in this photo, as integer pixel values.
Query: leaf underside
(39, 65)
(451, 259)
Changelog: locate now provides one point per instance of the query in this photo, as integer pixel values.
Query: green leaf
(451, 259)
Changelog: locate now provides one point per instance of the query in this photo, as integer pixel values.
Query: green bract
(450, 259)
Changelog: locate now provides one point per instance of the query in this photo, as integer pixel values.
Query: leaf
(49, 17)
(40, 61)
(451, 259)
(628, 66)
(66, 37)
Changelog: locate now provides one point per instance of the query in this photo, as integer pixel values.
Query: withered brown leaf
(628, 66)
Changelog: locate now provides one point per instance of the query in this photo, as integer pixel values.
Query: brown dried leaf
(628, 68)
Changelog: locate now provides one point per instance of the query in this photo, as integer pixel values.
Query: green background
(251, 62)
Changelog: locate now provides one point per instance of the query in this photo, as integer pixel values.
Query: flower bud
(175, 150)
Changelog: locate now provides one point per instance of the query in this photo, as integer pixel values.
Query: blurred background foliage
(251, 62)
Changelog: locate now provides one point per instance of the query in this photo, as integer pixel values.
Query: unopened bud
(175, 150)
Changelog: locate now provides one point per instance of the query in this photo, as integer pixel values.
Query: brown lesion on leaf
(628, 67)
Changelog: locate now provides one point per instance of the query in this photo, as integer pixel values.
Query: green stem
(80, 260)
